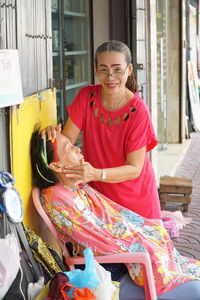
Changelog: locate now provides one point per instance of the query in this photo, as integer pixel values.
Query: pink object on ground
(171, 225)
(178, 216)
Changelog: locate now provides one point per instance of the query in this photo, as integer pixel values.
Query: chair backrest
(36, 200)
(138, 257)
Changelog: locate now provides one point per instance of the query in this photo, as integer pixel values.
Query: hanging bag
(87, 277)
(59, 288)
(9, 263)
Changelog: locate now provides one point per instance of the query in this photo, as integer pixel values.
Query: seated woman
(83, 215)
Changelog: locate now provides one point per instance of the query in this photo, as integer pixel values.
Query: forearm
(129, 171)
(71, 131)
(119, 174)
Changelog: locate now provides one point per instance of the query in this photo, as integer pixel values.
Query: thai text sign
(10, 80)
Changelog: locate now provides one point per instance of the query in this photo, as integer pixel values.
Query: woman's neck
(113, 102)
(70, 182)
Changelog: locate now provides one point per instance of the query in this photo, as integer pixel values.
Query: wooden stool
(176, 190)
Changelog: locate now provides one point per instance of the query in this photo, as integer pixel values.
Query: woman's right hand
(51, 131)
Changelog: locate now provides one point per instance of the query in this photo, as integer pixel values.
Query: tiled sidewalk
(188, 242)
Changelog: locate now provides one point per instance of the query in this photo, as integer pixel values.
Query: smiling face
(112, 71)
(68, 154)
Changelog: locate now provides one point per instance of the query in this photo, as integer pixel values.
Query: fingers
(80, 174)
(73, 176)
(78, 182)
(59, 128)
(69, 169)
(43, 133)
(78, 169)
(82, 162)
(51, 132)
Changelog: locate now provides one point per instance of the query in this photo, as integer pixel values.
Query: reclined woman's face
(68, 154)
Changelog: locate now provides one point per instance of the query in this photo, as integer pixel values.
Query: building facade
(156, 31)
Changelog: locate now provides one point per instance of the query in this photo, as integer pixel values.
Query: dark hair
(118, 46)
(43, 176)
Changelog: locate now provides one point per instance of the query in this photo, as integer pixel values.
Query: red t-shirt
(108, 137)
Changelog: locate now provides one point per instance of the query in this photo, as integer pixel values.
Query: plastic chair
(137, 257)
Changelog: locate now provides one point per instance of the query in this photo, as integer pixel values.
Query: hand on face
(51, 132)
(71, 162)
(81, 174)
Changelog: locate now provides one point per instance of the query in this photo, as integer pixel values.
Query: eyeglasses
(116, 72)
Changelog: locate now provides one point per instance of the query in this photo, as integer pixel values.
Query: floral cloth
(89, 218)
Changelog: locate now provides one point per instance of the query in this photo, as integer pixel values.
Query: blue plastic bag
(87, 277)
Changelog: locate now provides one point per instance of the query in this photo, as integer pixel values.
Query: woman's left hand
(83, 173)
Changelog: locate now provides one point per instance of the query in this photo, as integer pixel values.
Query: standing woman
(117, 134)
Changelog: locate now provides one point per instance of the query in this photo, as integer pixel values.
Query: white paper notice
(10, 80)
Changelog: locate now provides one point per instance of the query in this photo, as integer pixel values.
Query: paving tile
(188, 243)
(191, 250)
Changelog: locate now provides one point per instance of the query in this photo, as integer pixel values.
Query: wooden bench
(176, 190)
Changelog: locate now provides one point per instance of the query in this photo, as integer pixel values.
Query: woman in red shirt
(117, 134)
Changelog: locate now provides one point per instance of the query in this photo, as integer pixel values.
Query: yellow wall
(22, 124)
